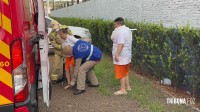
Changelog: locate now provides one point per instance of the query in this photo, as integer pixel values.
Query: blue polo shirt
(86, 51)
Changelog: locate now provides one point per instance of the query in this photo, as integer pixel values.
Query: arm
(52, 35)
(52, 38)
(120, 45)
(56, 46)
(119, 50)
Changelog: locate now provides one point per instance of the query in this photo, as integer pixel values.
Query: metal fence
(58, 4)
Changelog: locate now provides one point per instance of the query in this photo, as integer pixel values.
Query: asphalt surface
(90, 101)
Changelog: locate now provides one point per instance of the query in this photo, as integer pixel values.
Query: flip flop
(129, 89)
(120, 92)
(68, 86)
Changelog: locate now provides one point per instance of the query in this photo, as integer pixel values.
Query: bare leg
(123, 87)
(71, 72)
(123, 83)
(68, 79)
(68, 76)
(127, 83)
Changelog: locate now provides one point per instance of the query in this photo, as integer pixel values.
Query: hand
(116, 58)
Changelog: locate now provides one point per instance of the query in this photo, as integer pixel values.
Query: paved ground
(91, 101)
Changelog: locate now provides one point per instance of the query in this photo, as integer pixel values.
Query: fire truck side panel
(23, 27)
(17, 18)
(6, 80)
(17, 26)
(29, 32)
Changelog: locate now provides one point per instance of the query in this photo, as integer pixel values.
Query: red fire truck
(23, 55)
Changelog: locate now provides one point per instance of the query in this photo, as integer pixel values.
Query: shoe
(90, 85)
(129, 89)
(120, 92)
(53, 82)
(78, 92)
(87, 81)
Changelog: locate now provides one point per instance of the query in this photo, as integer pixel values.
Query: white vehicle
(78, 32)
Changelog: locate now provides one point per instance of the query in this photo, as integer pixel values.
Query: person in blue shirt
(86, 56)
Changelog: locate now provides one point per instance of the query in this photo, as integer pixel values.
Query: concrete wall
(170, 12)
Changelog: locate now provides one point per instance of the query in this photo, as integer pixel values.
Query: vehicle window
(48, 22)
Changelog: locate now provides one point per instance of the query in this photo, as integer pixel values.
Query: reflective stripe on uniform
(91, 52)
(54, 77)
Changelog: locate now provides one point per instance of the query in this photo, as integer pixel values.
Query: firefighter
(56, 42)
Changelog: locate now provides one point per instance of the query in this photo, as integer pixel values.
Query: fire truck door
(43, 45)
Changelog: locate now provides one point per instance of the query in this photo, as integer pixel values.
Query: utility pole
(53, 4)
(67, 3)
(47, 7)
(72, 2)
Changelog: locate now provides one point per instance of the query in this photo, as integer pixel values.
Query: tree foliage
(164, 52)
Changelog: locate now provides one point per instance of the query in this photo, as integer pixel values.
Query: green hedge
(163, 52)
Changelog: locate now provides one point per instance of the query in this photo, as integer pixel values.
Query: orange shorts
(69, 61)
(121, 70)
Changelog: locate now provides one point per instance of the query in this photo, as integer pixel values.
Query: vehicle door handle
(40, 36)
(34, 40)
